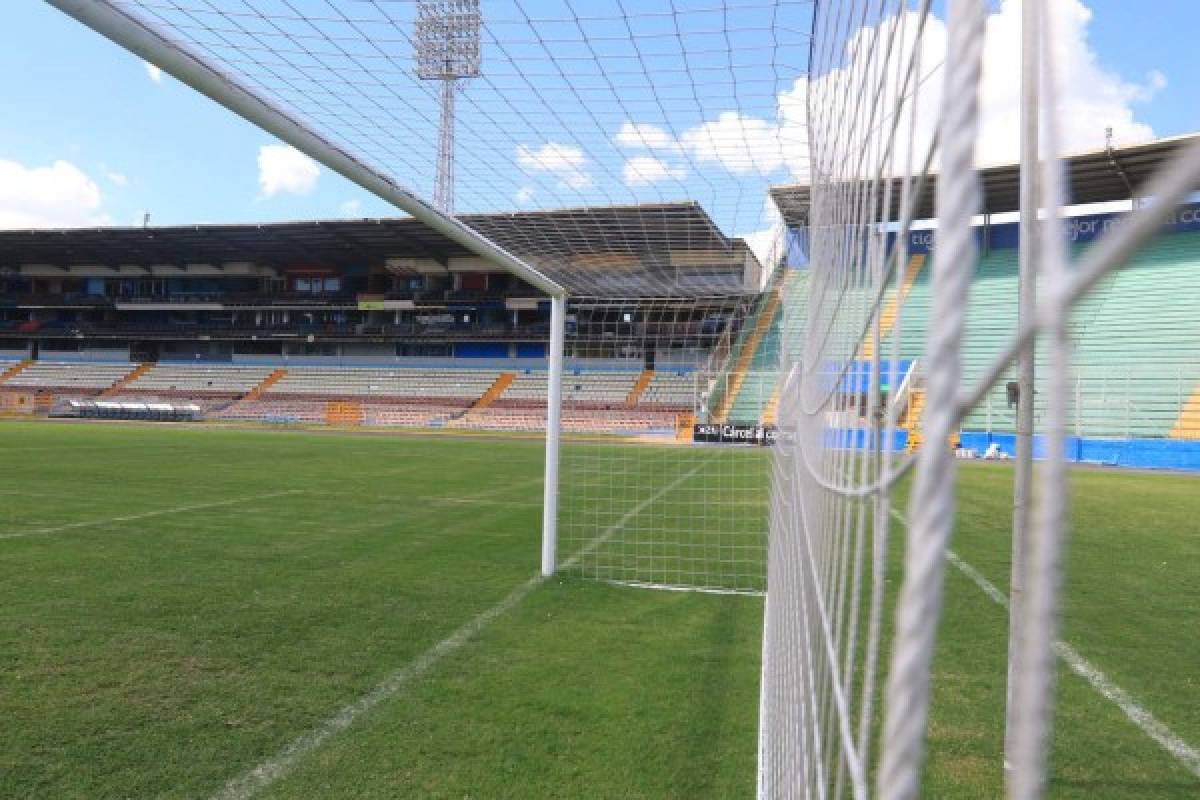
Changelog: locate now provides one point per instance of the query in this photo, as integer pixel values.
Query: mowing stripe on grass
(1138, 714)
(252, 782)
(91, 523)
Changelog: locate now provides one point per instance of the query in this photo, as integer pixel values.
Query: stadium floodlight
(448, 51)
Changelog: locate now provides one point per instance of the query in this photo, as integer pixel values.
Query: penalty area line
(92, 523)
(1139, 715)
(253, 781)
(260, 777)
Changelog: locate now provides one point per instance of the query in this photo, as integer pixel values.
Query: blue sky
(132, 144)
(71, 95)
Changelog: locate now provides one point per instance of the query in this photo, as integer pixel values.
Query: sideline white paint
(249, 783)
(1138, 714)
(92, 523)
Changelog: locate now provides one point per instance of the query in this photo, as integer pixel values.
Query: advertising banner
(734, 433)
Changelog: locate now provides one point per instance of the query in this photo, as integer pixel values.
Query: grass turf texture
(1131, 608)
(161, 655)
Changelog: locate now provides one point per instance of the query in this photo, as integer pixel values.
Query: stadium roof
(1095, 177)
(324, 242)
(646, 243)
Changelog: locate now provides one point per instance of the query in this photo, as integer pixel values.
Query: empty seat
(69, 375)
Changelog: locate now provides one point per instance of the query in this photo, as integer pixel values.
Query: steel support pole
(443, 195)
(140, 39)
(558, 322)
(1026, 309)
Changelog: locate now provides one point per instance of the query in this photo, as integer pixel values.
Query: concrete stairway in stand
(494, 391)
(639, 388)
(887, 316)
(14, 370)
(737, 375)
(267, 382)
(130, 377)
(1188, 424)
(912, 418)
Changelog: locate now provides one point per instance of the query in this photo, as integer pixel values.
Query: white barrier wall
(96, 354)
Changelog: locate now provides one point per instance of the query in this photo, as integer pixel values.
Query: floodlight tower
(447, 45)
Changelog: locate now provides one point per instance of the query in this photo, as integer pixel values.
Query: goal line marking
(675, 587)
(253, 781)
(92, 523)
(1138, 714)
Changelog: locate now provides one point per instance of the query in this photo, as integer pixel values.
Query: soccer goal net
(903, 340)
(755, 224)
(670, 490)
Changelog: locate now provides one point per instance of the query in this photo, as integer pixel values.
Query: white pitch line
(485, 501)
(260, 777)
(1138, 714)
(672, 587)
(91, 523)
(1150, 725)
(253, 781)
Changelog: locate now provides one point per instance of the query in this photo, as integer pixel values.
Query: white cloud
(1094, 98)
(742, 144)
(524, 195)
(633, 135)
(644, 170)
(350, 208)
(285, 169)
(565, 162)
(154, 72)
(57, 196)
(1156, 81)
(117, 179)
(768, 242)
(793, 128)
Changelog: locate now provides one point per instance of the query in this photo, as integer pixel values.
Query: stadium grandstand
(388, 323)
(1135, 398)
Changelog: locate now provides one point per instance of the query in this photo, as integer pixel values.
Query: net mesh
(677, 508)
(624, 150)
(618, 110)
(865, 403)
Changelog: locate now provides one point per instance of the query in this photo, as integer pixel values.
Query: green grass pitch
(190, 602)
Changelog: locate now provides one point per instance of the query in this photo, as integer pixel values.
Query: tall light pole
(447, 50)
